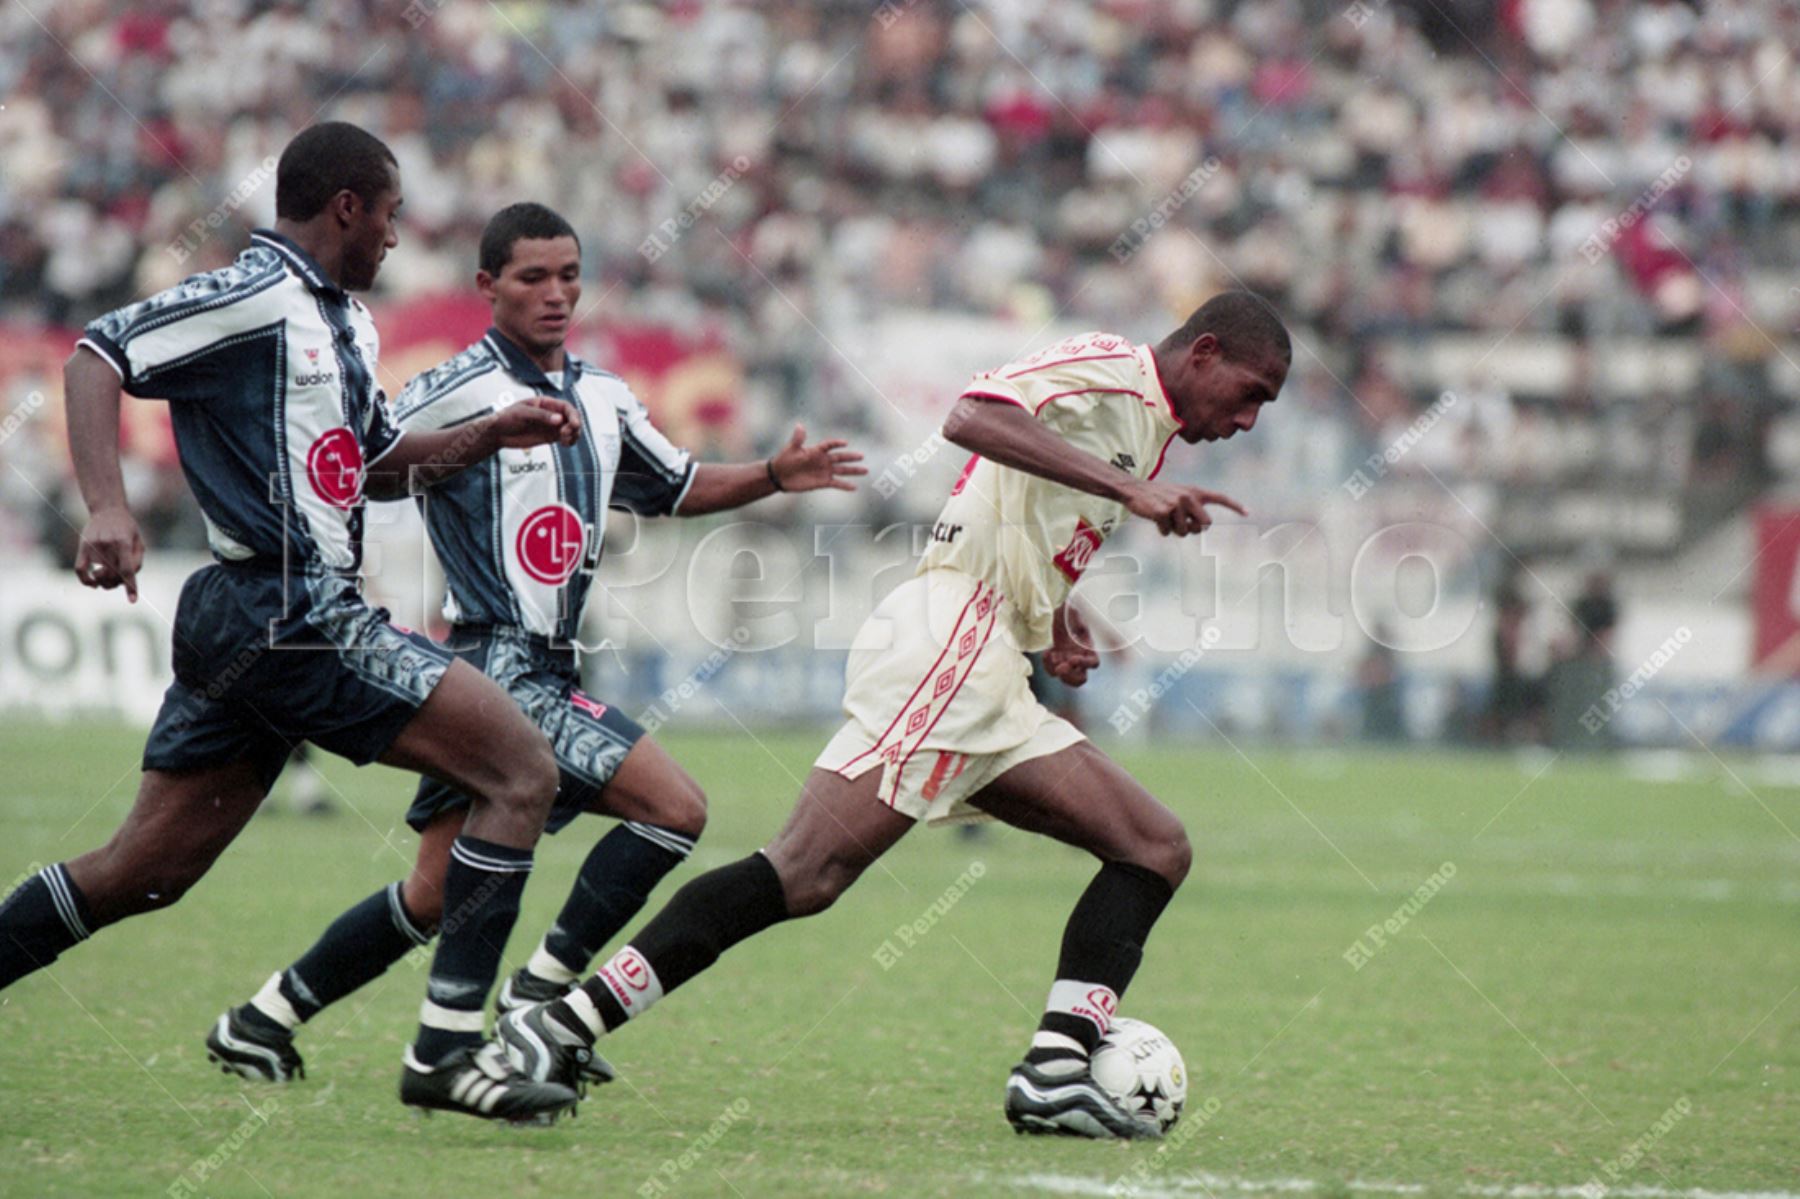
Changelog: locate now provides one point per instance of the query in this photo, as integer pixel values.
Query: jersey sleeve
(654, 474)
(160, 345)
(380, 430)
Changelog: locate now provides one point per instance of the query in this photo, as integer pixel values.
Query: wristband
(769, 465)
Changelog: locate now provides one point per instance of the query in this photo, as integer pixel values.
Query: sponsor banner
(1775, 591)
(690, 382)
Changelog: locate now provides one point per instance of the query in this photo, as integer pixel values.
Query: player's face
(373, 230)
(1221, 398)
(535, 293)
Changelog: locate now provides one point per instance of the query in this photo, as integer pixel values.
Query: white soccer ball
(1142, 1069)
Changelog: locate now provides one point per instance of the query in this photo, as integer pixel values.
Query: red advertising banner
(1775, 595)
(691, 382)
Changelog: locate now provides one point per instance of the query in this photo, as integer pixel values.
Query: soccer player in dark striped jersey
(269, 367)
(520, 539)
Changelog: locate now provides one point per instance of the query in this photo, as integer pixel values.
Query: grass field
(1604, 988)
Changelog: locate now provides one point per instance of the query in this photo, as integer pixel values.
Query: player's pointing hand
(111, 552)
(538, 420)
(802, 467)
(1178, 509)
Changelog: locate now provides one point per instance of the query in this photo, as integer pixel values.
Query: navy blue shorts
(590, 738)
(264, 662)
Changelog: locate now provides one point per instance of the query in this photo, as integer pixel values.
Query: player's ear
(1205, 348)
(345, 204)
(484, 283)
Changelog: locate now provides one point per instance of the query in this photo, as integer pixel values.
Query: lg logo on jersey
(334, 467)
(550, 543)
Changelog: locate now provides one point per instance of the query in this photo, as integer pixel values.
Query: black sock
(44, 915)
(704, 919)
(481, 904)
(1101, 948)
(357, 948)
(618, 876)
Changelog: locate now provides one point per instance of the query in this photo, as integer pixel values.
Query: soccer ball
(1141, 1068)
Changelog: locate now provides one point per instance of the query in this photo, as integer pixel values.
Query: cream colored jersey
(1028, 537)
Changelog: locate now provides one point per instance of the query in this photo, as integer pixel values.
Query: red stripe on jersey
(1156, 371)
(1062, 361)
(929, 675)
(989, 395)
(1163, 454)
(1082, 391)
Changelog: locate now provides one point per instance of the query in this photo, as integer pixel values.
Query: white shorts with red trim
(939, 697)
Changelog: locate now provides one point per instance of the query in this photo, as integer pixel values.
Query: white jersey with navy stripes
(521, 534)
(1028, 538)
(269, 368)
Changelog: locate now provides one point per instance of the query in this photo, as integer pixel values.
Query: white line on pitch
(1188, 1184)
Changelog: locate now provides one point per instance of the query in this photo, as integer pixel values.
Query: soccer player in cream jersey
(941, 722)
(520, 539)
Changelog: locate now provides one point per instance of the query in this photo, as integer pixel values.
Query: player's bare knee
(683, 807)
(529, 786)
(812, 887)
(424, 900)
(1164, 849)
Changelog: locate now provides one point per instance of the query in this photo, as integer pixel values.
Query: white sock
(1091, 1001)
(548, 967)
(585, 1011)
(631, 980)
(273, 1004)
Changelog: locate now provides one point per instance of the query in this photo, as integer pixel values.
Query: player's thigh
(837, 829)
(178, 826)
(1082, 797)
(471, 734)
(423, 889)
(651, 787)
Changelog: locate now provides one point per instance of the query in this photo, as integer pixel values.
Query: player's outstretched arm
(719, 486)
(424, 457)
(1007, 434)
(111, 550)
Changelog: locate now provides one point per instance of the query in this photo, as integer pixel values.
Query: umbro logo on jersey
(316, 377)
(1124, 461)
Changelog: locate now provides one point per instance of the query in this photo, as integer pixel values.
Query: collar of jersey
(1146, 356)
(298, 260)
(519, 365)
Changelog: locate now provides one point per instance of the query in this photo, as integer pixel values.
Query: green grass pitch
(1602, 990)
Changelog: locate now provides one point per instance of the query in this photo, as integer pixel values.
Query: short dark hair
(1245, 324)
(514, 222)
(328, 158)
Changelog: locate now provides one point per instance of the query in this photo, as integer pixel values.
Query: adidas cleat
(541, 1047)
(1070, 1105)
(480, 1082)
(252, 1051)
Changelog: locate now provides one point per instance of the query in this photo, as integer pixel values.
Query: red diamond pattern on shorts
(944, 683)
(966, 645)
(918, 720)
(981, 609)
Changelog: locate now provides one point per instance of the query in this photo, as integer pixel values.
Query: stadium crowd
(1386, 171)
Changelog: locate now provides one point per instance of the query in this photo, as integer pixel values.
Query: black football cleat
(1070, 1105)
(480, 1082)
(527, 990)
(545, 1049)
(253, 1051)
